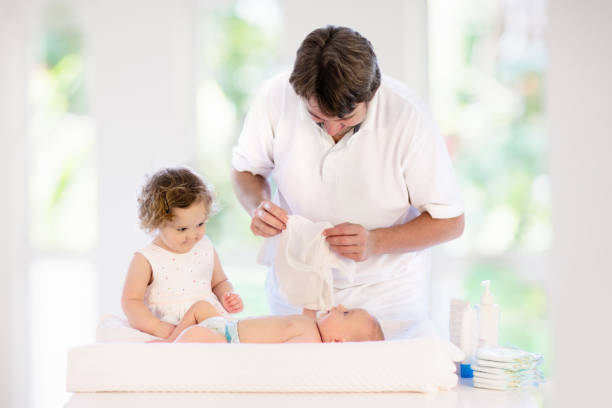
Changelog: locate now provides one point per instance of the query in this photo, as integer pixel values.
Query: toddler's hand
(232, 302)
(163, 330)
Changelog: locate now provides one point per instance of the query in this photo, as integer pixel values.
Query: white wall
(580, 140)
(396, 28)
(141, 89)
(13, 203)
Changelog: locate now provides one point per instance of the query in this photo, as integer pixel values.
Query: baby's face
(341, 324)
(186, 228)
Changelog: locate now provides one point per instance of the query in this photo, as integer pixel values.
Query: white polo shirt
(394, 167)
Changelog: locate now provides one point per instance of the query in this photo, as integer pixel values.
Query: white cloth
(305, 264)
(180, 280)
(112, 328)
(395, 166)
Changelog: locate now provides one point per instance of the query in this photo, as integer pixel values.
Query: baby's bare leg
(198, 312)
(199, 334)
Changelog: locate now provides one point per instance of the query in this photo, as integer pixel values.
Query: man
(345, 145)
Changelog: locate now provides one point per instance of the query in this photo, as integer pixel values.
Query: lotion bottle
(488, 318)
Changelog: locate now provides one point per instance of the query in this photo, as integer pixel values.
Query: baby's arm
(132, 301)
(223, 289)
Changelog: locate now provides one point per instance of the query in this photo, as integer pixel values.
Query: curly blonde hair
(174, 187)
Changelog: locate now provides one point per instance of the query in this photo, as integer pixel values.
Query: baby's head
(340, 325)
(176, 202)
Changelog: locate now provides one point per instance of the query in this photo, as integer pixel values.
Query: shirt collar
(368, 123)
(303, 110)
(355, 128)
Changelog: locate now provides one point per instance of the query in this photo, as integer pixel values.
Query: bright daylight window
(487, 68)
(238, 45)
(62, 198)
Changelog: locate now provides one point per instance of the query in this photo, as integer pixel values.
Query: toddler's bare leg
(198, 312)
(202, 310)
(199, 334)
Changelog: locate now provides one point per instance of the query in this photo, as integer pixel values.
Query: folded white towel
(305, 265)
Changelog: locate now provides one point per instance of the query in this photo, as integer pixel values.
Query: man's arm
(251, 189)
(253, 192)
(355, 242)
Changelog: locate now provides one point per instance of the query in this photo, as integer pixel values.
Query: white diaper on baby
(304, 264)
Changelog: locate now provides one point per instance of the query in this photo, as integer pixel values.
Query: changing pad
(424, 365)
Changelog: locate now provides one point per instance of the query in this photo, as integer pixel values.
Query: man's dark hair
(338, 67)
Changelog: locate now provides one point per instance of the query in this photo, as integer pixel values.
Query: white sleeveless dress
(180, 280)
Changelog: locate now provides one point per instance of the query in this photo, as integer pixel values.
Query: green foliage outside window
(491, 111)
(238, 55)
(61, 188)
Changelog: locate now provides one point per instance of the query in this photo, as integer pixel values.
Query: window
(238, 46)
(487, 68)
(63, 216)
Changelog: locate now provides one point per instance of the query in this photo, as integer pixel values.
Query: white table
(463, 396)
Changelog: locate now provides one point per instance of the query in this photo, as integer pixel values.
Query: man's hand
(351, 241)
(232, 302)
(268, 219)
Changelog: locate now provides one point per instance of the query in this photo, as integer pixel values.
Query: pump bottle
(488, 318)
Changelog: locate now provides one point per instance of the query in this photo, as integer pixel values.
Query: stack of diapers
(501, 368)
(421, 365)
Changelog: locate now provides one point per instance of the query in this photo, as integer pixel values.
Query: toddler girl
(180, 266)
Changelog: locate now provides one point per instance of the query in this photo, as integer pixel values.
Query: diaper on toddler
(223, 326)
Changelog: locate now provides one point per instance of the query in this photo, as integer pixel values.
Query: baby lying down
(203, 323)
